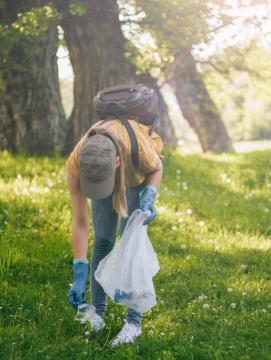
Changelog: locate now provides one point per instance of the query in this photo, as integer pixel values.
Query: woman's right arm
(80, 221)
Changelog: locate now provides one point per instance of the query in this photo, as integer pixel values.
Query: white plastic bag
(126, 272)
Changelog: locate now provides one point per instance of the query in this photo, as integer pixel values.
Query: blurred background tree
(31, 113)
(240, 88)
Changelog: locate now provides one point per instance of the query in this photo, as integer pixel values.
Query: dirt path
(240, 147)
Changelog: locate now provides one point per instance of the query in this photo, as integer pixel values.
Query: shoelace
(126, 332)
(96, 319)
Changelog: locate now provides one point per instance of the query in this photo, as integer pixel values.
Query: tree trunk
(196, 105)
(96, 46)
(165, 127)
(32, 118)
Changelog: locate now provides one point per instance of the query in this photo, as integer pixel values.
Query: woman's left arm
(154, 178)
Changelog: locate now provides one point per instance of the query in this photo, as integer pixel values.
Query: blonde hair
(119, 197)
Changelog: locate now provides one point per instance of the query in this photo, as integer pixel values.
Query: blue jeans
(105, 222)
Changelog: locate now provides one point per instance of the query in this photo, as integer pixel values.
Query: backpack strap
(133, 141)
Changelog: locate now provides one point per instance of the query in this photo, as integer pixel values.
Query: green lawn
(212, 238)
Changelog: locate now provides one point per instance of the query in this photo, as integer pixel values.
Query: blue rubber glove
(147, 196)
(77, 291)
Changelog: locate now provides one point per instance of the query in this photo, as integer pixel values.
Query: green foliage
(20, 42)
(76, 8)
(175, 23)
(212, 238)
(21, 38)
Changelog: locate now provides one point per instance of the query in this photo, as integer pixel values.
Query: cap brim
(97, 190)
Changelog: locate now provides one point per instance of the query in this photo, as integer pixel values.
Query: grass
(212, 238)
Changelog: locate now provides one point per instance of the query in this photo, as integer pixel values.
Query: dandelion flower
(205, 306)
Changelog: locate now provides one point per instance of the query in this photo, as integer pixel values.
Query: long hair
(119, 197)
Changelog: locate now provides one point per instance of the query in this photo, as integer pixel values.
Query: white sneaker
(97, 322)
(87, 312)
(128, 334)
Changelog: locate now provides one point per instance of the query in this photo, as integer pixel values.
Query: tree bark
(96, 46)
(165, 127)
(32, 118)
(196, 105)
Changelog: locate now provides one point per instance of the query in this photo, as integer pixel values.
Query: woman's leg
(132, 196)
(105, 222)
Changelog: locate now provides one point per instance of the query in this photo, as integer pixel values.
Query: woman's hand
(147, 198)
(148, 193)
(78, 289)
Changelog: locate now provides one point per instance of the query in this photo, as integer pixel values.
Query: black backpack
(125, 102)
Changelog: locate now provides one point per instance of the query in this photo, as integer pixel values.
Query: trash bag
(126, 272)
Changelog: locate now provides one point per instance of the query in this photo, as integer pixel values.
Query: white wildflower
(233, 305)
(202, 297)
(205, 306)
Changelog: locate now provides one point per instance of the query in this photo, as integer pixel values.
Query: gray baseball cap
(97, 166)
